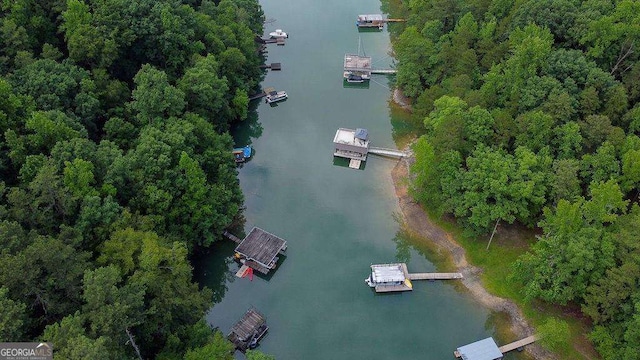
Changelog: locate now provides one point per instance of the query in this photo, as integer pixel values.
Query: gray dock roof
(357, 63)
(261, 246)
(387, 273)
(485, 349)
(247, 326)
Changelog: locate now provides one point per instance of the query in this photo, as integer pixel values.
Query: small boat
(275, 96)
(242, 154)
(278, 34)
(353, 78)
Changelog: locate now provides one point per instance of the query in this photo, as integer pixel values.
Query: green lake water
(337, 221)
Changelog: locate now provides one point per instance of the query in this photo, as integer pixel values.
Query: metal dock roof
(387, 273)
(261, 246)
(485, 349)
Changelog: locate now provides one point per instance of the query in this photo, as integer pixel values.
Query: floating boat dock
(259, 250)
(356, 66)
(351, 144)
(354, 145)
(487, 349)
(374, 21)
(248, 331)
(395, 277)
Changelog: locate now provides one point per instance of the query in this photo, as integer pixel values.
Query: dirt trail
(417, 221)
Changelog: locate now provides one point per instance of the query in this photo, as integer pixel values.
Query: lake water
(337, 221)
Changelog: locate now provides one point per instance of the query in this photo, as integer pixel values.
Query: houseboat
(275, 96)
(370, 21)
(242, 154)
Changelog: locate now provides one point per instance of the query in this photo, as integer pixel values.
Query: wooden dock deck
(518, 344)
(392, 288)
(242, 271)
(232, 237)
(355, 164)
(434, 276)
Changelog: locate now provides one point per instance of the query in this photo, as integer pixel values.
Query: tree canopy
(116, 168)
(531, 116)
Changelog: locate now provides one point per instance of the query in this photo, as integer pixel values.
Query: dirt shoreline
(417, 222)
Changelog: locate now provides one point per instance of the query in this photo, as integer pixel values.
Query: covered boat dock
(246, 333)
(259, 250)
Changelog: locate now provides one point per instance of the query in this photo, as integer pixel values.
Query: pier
(232, 237)
(387, 152)
(518, 344)
(384, 71)
(487, 349)
(396, 277)
(261, 94)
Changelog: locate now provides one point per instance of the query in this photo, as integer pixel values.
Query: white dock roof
(387, 273)
(348, 136)
(370, 17)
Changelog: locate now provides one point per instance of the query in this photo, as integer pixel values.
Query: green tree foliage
(554, 334)
(532, 105)
(115, 166)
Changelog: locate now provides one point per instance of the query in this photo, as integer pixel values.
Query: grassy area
(509, 243)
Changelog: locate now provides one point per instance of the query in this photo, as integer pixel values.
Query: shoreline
(417, 222)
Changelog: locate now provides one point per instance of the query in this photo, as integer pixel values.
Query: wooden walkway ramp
(434, 276)
(232, 237)
(387, 152)
(384, 71)
(518, 344)
(394, 20)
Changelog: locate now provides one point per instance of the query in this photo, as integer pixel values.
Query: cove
(337, 221)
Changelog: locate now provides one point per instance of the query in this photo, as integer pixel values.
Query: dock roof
(248, 325)
(261, 246)
(348, 136)
(354, 62)
(387, 273)
(485, 349)
(370, 17)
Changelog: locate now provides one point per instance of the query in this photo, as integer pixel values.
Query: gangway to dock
(518, 344)
(387, 152)
(384, 71)
(434, 276)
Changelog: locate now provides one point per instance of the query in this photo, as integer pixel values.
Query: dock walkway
(434, 276)
(387, 152)
(518, 344)
(384, 71)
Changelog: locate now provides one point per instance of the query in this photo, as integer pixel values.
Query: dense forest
(116, 166)
(532, 116)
